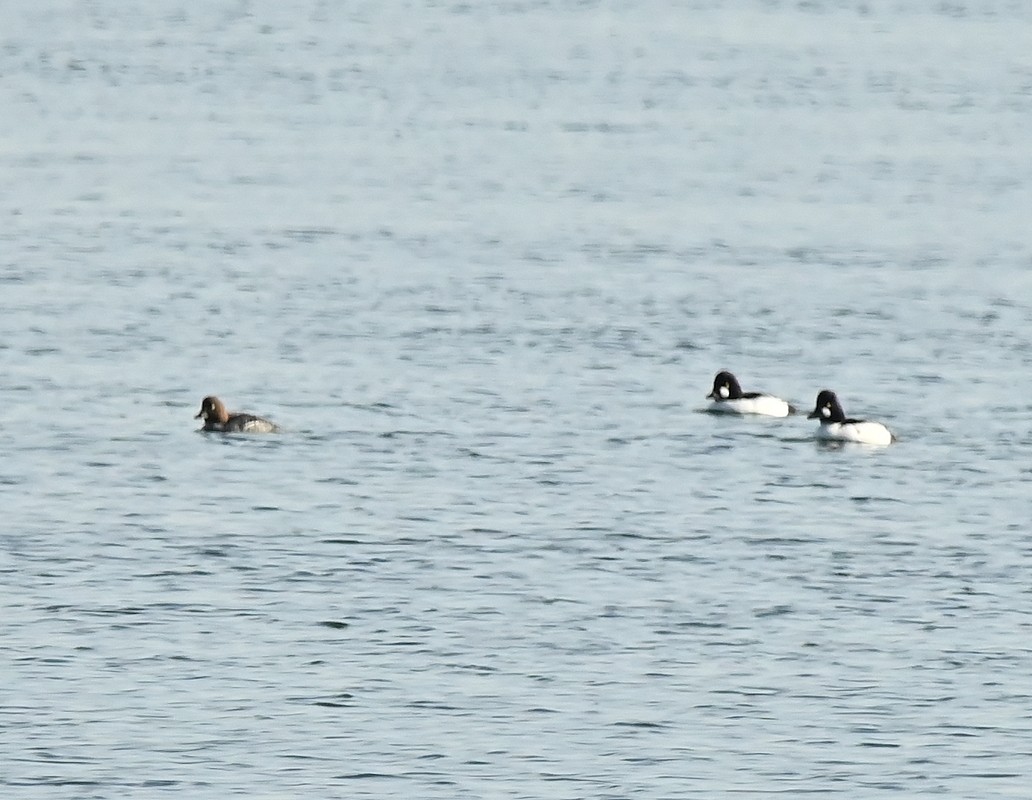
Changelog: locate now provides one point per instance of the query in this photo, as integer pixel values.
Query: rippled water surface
(481, 261)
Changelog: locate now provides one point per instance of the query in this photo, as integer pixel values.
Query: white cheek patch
(825, 411)
(724, 392)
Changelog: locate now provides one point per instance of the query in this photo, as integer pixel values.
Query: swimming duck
(216, 418)
(728, 398)
(836, 427)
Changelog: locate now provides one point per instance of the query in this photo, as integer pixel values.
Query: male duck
(728, 398)
(836, 427)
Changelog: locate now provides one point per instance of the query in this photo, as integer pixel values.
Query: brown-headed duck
(216, 418)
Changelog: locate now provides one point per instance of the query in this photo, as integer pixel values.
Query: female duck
(728, 398)
(835, 426)
(216, 418)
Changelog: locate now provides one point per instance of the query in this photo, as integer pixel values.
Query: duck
(836, 427)
(728, 398)
(217, 418)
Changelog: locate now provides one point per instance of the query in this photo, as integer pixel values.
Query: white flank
(860, 432)
(766, 404)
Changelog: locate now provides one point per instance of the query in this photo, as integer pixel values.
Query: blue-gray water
(482, 261)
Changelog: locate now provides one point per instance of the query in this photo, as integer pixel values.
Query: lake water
(481, 261)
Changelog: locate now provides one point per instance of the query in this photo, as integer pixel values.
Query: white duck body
(836, 427)
(728, 398)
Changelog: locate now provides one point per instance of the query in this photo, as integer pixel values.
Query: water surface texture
(481, 261)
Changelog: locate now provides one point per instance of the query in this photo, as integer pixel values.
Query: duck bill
(199, 415)
(813, 415)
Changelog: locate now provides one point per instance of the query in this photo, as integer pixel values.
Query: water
(482, 261)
